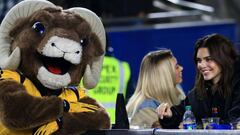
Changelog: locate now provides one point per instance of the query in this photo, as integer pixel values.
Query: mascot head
(51, 46)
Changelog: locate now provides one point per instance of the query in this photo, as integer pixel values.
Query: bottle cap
(188, 107)
(214, 110)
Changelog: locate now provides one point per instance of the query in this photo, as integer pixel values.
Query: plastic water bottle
(189, 121)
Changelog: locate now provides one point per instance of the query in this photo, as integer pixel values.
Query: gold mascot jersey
(71, 94)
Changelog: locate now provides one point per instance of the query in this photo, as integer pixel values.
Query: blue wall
(132, 44)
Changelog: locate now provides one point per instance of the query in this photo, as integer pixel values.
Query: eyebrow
(204, 57)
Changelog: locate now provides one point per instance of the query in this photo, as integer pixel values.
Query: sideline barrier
(196, 132)
(163, 132)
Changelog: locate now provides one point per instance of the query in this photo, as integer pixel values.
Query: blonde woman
(158, 79)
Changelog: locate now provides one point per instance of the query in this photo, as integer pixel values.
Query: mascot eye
(83, 42)
(38, 27)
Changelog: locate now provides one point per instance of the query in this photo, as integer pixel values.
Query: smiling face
(55, 47)
(209, 69)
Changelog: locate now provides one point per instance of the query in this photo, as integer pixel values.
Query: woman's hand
(180, 125)
(164, 110)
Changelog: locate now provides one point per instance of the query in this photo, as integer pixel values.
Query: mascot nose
(54, 45)
(64, 52)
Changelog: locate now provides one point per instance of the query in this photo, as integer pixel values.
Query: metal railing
(171, 11)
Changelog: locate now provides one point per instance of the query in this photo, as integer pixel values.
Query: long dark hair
(224, 54)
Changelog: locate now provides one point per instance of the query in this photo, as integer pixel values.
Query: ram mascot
(45, 51)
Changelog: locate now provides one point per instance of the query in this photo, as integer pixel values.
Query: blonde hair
(157, 80)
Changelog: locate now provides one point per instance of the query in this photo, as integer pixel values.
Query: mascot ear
(23, 9)
(92, 72)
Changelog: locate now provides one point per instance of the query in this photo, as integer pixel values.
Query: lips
(205, 71)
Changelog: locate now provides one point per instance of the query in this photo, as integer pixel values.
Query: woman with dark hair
(214, 50)
(217, 83)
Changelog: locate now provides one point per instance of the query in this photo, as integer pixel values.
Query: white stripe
(109, 105)
(122, 77)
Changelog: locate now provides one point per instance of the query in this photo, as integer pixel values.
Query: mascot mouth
(57, 66)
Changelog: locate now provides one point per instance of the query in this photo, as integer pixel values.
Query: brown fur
(15, 98)
(36, 111)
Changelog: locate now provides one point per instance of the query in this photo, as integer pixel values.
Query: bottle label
(190, 126)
